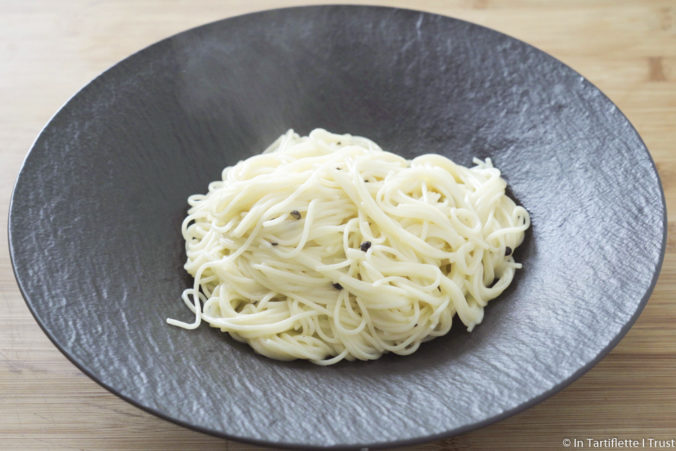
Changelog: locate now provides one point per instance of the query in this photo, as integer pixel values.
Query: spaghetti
(326, 247)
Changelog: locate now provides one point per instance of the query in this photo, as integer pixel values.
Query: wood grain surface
(49, 49)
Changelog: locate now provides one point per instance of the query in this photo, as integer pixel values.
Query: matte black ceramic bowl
(97, 250)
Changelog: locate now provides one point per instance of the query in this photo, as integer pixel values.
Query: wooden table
(49, 49)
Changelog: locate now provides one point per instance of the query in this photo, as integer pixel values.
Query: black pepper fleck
(508, 250)
(337, 286)
(295, 214)
(274, 243)
(365, 246)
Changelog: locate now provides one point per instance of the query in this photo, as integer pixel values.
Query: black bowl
(98, 254)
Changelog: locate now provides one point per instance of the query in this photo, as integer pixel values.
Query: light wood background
(49, 49)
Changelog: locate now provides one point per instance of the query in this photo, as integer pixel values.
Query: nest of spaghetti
(326, 247)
